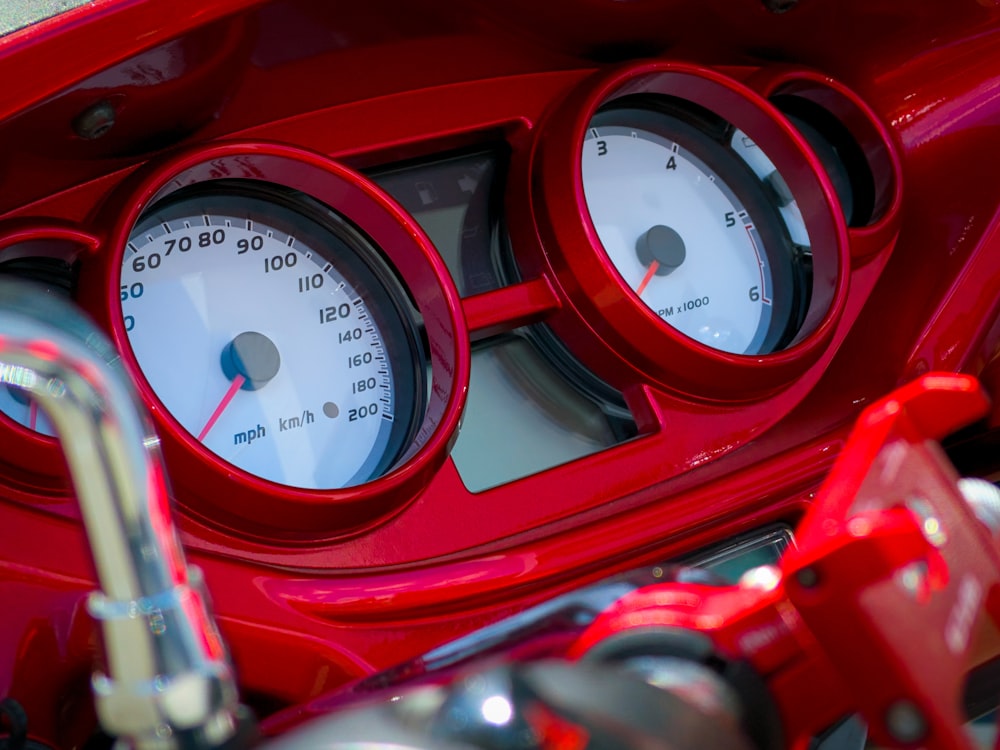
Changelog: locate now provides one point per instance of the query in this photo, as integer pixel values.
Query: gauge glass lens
(272, 332)
(681, 235)
(22, 409)
(46, 263)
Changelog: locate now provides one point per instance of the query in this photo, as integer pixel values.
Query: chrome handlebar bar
(169, 682)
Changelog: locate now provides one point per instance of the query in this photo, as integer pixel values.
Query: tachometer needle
(33, 415)
(237, 383)
(653, 268)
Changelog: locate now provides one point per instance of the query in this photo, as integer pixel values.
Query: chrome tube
(168, 680)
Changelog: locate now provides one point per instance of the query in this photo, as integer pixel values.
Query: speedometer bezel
(218, 493)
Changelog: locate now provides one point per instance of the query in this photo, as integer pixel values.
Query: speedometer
(274, 333)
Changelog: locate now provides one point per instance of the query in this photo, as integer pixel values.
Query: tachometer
(686, 223)
(274, 333)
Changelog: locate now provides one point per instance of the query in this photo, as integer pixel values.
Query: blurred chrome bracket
(169, 682)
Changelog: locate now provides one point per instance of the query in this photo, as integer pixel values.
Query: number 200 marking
(353, 415)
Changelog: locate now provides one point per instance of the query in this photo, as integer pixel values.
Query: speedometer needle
(653, 268)
(237, 383)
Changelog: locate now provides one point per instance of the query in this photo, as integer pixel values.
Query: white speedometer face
(270, 336)
(681, 237)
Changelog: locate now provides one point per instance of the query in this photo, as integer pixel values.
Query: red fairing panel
(440, 312)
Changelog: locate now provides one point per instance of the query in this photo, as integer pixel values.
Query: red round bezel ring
(693, 229)
(44, 251)
(305, 357)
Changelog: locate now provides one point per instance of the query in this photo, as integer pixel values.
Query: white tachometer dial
(681, 237)
(268, 336)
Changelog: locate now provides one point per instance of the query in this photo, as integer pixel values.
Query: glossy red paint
(829, 631)
(834, 610)
(335, 586)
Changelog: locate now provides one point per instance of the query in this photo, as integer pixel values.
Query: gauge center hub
(253, 356)
(663, 246)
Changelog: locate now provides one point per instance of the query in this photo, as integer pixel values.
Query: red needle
(33, 415)
(648, 277)
(238, 381)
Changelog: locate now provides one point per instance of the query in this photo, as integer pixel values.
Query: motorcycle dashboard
(425, 342)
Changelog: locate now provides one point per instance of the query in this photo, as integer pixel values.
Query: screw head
(95, 121)
(780, 6)
(807, 578)
(905, 722)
